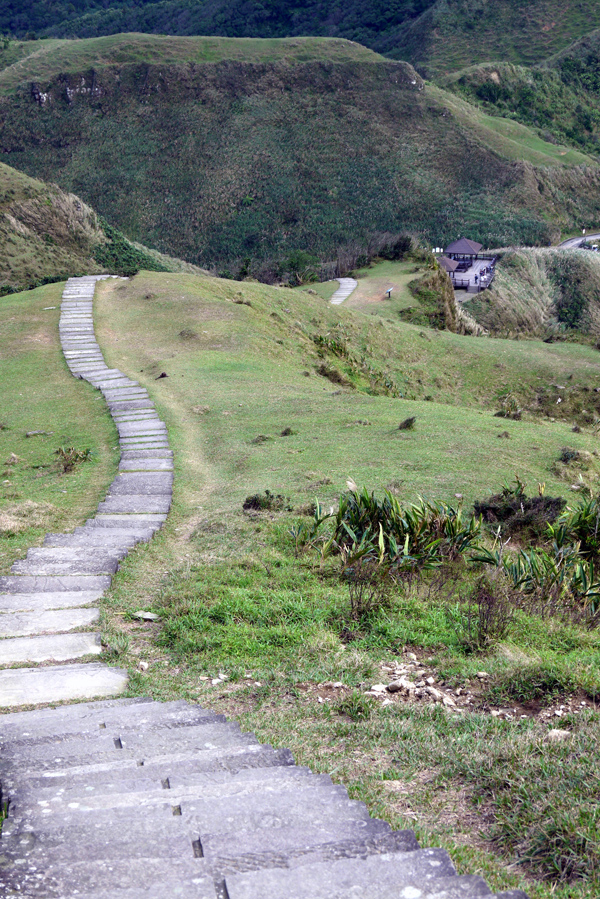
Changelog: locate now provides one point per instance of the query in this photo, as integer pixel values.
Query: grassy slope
(229, 590)
(325, 142)
(231, 594)
(34, 496)
(47, 235)
(541, 292)
(454, 34)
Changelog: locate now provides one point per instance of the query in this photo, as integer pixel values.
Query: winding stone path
(134, 799)
(347, 286)
(46, 603)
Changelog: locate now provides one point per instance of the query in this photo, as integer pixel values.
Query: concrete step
(89, 723)
(148, 484)
(29, 805)
(133, 771)
(132, 504)
(146, 465)
(50, 648)
(26, 584)
(127, 455)
(75, 752)
(121, 539)
(62, 683)
(114, 793)
(65, 599)
(47, 560)
(74, 879)
(12, 723)
(135, 521)
(423, 874)
(21, 624)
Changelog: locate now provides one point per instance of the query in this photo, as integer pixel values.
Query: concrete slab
(126, 520)
(127, 455)
(52, 561)
(55, 648)
(15, 584)
(21, 624)
(29, 602)
(146, 465)
(30, 686)
(151, 483)
(135, 504)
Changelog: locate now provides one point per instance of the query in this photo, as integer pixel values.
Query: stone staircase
(134, 799)
(129, 799)
(48, 598)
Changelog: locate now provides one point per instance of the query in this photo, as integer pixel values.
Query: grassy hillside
(436, 35)
(233, 597)
(48, 235)
(453, 34)
(273, 389)
(219, 151)
(544, 293)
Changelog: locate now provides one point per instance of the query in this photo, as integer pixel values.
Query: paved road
(347, 286)
(575, 242)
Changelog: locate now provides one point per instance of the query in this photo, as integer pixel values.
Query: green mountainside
(221, 150)
(561, 97)
(438, 36)
(48, 235)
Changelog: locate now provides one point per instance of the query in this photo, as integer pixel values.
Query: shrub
(517, 514)
(267, 502)
(69, 457)
(486, 616)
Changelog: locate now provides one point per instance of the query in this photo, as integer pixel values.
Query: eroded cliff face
(224, 161)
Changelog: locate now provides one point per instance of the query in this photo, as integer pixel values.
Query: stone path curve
(134, 799)
(347, 286)
(48, 597)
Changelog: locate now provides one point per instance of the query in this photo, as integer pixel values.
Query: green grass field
(235, 598)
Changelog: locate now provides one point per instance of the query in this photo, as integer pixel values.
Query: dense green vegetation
(548, 293)
(221, 151)
(436, 35)
(48, 235)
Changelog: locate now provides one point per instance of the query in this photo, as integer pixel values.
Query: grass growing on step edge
(38, 394)
(234, 598)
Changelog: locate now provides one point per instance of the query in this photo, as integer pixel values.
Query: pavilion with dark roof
(449, 265)
(463, 247)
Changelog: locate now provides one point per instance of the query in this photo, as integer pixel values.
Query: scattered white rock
(411, 656)
(145, 616)
(378, 688)
(482, 675)
(436, 695)
(556, 735)
(143, 666)
(430, 680)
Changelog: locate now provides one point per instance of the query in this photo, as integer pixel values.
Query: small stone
(387, 702)
(430, 681)
(482, 675)
(202, 677)
(436, 695)
(12, 459)
(215, 681)
(145, 616)
(558, 713)
(320, 699)
(338, 684)
(458, 691)
(143, 666)
(495, 713)
(411, 656)
(448, 701)
(402, 685)
(556, 735)
(39, 433)
(379, 688)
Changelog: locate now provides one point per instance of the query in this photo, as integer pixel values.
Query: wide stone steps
(127, 799)
(45, 601)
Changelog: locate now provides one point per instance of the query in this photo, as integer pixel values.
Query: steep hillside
(436, 35)
(453, 34)
(560, 97)
(47, 235)
(220, 151)
(543, 293)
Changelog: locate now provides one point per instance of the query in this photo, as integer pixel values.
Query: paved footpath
(134, 799)
(347, 286)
